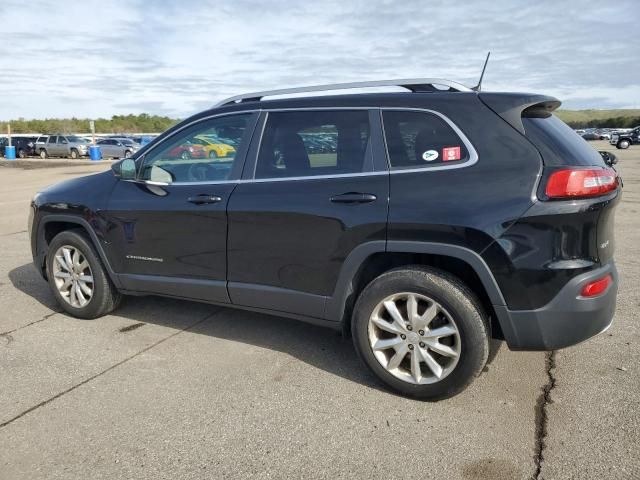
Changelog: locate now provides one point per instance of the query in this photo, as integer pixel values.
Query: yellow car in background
(213, 148)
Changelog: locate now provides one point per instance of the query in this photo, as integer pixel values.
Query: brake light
(571, 183)
(597, 287)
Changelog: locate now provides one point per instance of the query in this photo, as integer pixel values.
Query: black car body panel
(296, 247)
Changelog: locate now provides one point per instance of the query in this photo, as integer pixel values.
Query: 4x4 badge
(430, 155)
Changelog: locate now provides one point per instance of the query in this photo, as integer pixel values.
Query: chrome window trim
(473, 154)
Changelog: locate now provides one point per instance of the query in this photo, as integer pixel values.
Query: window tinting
(204, 152)
(53, 139)
(416, 139)
(298, 144)
(558, 143)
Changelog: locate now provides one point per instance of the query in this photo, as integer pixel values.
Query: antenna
(478, 87)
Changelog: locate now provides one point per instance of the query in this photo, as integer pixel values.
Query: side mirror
(125, 169)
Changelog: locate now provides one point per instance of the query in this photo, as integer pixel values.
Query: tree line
(143, 123)
(611, 122)
(157, 123)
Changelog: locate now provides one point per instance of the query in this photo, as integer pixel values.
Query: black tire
(22, 154)
(43, 153)
(105, 297)
(213, 154)
(454, 296)
(127, 153)
(185, 155)
(74, 153)
(623, 144)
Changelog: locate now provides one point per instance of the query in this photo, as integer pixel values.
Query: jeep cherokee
(427, 224)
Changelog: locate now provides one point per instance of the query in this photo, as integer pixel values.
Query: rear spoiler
(513, 106)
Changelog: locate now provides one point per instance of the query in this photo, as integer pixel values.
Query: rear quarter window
(421, 140)
(559, 144)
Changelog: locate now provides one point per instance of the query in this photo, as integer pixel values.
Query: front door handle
(354, 197)
(204, 199)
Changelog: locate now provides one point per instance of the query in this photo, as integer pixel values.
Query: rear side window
(558, 143)
(420, 139)
(301, 144)
(53, 139)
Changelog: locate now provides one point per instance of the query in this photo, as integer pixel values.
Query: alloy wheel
(414, 338)
(72, 276)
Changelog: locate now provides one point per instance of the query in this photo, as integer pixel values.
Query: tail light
(571, 183)
(593, 289)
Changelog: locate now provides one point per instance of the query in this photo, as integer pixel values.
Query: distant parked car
(188, 150)
(117, 147)
(24, 145)
(214, 147)
(62, 146)
(624, 140)
(591, 136)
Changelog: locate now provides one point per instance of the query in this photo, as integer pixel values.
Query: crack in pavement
(48, 315)
(13, 233)
(542, 417)
(99, 374)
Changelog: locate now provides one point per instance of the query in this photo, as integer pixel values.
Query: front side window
(417, 139)
(204, 152)
(300, 144)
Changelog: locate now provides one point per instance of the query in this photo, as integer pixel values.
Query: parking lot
(170, 389)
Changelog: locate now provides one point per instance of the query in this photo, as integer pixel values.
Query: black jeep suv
(426, 224)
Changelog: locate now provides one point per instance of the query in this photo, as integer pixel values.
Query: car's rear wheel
(43, 153)
(185, 155)
(623, 144)
(77, 277)
(421, 331)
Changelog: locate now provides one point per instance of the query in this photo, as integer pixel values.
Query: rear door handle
(353, 197)
(204, 199)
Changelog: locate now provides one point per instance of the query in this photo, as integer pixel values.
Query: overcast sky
(93, 58)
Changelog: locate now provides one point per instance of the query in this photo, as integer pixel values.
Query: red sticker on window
(450, 153)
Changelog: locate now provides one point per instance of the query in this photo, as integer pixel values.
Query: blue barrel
(95, 153)
(10, 152)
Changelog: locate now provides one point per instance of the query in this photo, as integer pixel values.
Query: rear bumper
(566, 320)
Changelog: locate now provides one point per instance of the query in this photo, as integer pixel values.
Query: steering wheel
(199, 172)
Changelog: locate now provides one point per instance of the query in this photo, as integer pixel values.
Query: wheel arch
(374, 258)
(52, 225)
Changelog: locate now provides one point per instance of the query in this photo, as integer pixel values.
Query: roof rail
(412, 84)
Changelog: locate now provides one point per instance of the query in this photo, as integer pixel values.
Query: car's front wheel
(74, 153)
(43, 154)
(77, 277)
(421, 331)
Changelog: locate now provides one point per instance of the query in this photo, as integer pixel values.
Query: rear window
(558, 143)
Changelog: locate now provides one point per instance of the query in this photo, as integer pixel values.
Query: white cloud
(99, 58)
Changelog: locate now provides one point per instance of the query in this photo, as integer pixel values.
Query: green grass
(627, 117)
(587, 115)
